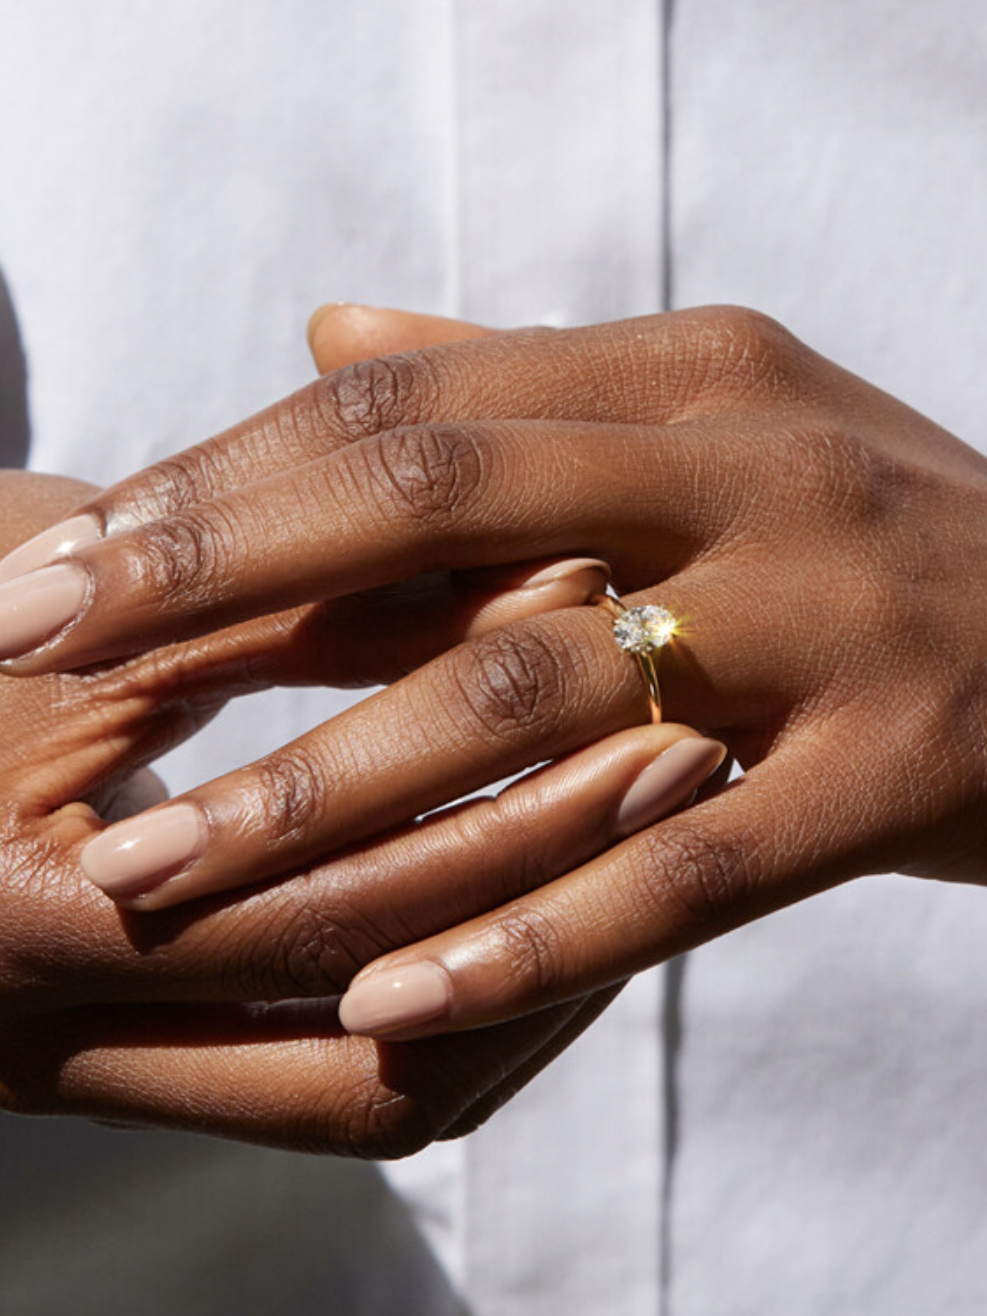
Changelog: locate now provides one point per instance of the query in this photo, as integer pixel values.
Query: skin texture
(156, 1019)
(147, 1020)
(822, 545)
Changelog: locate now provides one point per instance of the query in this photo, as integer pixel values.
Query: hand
(821, 544)
(152, 1021)
(156, 1021)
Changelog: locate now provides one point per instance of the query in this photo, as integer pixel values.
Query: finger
(684, 362)
(458, 862)
(768, 841)
(712, 674)
(341, 333)
(587, 1012)
(483, 712)
(374, 637)
(114, 723)
(380, 512)
(308, 936)
(283, 1076)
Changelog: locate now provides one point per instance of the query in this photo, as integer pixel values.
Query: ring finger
(485, 711)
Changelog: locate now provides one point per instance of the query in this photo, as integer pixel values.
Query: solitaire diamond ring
(642, 632)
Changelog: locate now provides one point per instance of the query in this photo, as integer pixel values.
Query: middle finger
(386, 510)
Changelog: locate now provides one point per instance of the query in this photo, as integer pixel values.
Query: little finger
(283, 1076)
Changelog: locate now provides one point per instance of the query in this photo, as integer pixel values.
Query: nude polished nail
(567, 569)
(55, 542)
(35, 607)
(397, 998)
(567, 583)
(138, 855)
(667, 782)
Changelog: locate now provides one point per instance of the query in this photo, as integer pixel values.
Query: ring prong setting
(645, 629)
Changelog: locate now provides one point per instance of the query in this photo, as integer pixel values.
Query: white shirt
(790, 1121)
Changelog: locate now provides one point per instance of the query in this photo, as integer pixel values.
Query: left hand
(166, 1021)
(824, 548)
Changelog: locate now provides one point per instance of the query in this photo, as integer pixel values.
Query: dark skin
(822, 545)
(154, 1020)
(146, 1021)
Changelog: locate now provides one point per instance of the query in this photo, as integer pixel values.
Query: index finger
(417, 500)
(688, 358)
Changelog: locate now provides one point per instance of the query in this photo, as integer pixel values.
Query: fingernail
(136, 856)
(393, 999)
(55, 542)
(522, 592)
(565, 570)
(520, 578)
(668, 782)
(568, 584)
(35, 607)
(318, 315)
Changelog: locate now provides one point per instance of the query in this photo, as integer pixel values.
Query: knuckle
(370, 397)
(430, 472)
(292, 785)
(310, 956)
(809, 461)
(182, 558)
(533, 947)
(831, 472)
(513, 682)
(421, 1094)
(705, 877)
(748, 352)
(396, 1129)
(168, 486)
(325, 943)
(745, 329)
(402, 1107)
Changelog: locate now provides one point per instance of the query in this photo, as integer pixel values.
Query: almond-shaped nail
(137, 856)
(667, 782)
(525, 576)
(55, 542)
(388, 1000)
(521, 592)
(35, 607)
(563, 570)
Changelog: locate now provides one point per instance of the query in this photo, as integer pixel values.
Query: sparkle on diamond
(640, 630)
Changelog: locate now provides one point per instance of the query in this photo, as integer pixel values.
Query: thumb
(340, 333)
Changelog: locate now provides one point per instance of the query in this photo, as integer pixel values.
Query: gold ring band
(641, 632)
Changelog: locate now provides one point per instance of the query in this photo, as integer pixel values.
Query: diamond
(642, 630)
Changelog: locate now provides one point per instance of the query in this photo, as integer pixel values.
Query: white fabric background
(179, 186)
(827, 168)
